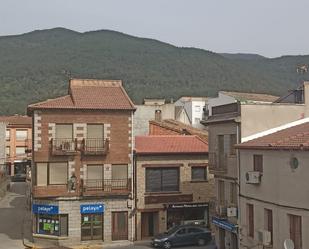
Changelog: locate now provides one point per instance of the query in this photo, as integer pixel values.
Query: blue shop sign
(45, 209)
(92, 208)
(223, 223)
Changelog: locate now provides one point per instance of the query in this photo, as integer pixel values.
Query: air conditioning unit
(231, 212)
(253, 177)
(264, 237)
(222, 210)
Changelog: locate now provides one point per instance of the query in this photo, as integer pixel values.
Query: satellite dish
(288, 244)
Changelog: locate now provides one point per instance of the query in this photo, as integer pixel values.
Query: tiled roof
(181, 128)
(16, 120)
(170, 144)
(293, 138)
(258, 97)
(90, 94)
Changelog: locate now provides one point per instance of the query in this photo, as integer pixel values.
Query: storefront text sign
(44, 209)
(91, 208)
(223, 223)
(188, 205)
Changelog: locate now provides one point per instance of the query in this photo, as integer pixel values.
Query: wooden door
(119, 225)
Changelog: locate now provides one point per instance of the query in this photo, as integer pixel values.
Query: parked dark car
(182, 236)
(19, 177)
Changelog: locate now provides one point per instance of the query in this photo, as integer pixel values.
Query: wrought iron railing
(63, 146)
(107, 185)
(95, 146)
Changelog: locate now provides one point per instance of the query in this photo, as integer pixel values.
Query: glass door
(92, 227)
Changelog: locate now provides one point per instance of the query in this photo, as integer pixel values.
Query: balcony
(217, 164)
(106, 187)
(94, 146)
(63, 146)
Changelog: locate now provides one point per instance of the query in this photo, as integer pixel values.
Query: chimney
(158, 115)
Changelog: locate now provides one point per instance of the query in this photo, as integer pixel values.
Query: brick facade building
(82, 158)
(172, 183)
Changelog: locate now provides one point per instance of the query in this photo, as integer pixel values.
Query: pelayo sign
(92, 208)
(44, 209)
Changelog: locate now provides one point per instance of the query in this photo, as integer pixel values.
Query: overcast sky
(267, 27)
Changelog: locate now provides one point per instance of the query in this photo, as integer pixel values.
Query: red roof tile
(170, 144)
(16, 120)
(293, 138)
(90, 94)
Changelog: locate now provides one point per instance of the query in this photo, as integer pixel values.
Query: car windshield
(171, 230)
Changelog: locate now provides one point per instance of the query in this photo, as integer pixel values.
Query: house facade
(82, 165)
(18, 145)
(172, 183)
(273, 187)
(228, 125)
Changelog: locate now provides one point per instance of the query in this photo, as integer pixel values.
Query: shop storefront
(188, 213)
(48, 221)
(92, 221)
(227, 233)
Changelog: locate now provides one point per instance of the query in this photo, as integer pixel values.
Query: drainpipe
(238, 182)
(133, 179)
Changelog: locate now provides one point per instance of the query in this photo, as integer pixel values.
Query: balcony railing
(90, 186)
(95, 146)
(63, 146)
(217, 163)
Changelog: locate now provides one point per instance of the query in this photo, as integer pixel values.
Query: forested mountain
(36, 66)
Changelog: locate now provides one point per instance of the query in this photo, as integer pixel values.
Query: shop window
(296, 230)
(92, 227)
(198, 173)
(162, 179)
(21, 134)
(58, 173)
(258, 163)
(56, 225)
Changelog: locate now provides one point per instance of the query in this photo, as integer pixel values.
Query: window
(195, 230)
(58, 173)
(7, 151)
(233, 192)
(95, 131)
(56, 225)
(268, 221)
(64, 131)
(197, 108)
(250, 220)
(119, 171)
(182, 231)
(198, 173)
(7, 134)
(162, 179)
(233, 141)
(20, 151)
(296, 230)
(21, 134)
(258, 163)
(221, 192)
(51, 173)
(95, 172)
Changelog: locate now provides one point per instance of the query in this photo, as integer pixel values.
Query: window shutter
(170, 179)
(153, 180)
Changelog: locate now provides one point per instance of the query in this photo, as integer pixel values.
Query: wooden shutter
(95, 131)
(250, 215)
(64, 131)
(58, 173)
(296, 231)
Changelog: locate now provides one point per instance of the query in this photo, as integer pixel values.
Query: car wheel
(201, 242)
(167, 245)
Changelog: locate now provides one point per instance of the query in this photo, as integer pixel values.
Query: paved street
(13, 210)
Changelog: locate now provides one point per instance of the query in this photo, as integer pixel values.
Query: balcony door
(95, 176)
(95, 137)
(64, 137)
